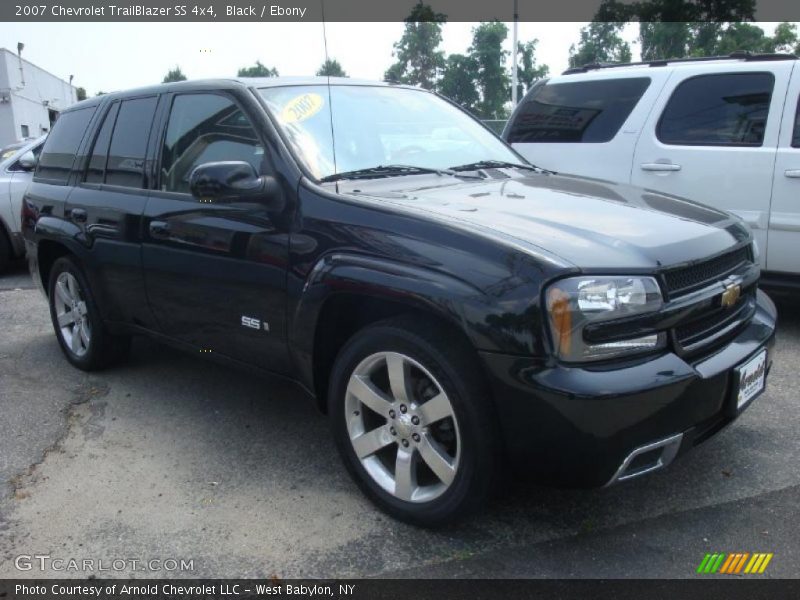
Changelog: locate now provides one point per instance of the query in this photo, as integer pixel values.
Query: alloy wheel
(402, 427)
(72, 314)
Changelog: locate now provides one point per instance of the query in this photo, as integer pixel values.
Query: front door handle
(660, 167)
(793, 173)
(78, 215)
(159, 229)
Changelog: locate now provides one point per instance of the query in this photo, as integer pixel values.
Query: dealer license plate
(751, 377)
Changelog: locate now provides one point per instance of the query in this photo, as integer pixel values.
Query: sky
(115, 56)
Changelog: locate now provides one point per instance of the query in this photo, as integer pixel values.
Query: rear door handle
(159, 229)
(78, 215)
(660, 167)
(793, 173)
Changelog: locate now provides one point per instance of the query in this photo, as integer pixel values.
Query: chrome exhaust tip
(648, 458)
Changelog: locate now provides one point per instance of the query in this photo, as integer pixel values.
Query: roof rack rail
(738, 55)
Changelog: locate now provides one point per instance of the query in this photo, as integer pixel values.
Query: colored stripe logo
(735, 563)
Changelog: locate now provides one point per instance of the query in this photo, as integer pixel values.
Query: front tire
(413, 421)
(81, 333)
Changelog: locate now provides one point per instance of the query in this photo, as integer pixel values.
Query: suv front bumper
(579, 425)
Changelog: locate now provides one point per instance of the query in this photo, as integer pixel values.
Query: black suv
(453, 309)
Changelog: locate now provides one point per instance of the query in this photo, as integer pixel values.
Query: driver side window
(205, 128)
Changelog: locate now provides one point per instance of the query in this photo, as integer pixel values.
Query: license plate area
(749, 381)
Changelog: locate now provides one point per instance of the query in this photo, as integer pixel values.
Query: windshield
(375, 125)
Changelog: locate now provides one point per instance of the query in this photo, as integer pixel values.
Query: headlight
(574, 303)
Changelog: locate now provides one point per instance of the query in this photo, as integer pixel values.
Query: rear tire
(80, 330)
(413, 421)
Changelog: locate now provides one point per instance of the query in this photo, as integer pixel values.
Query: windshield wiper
(497, 164)
(389, 171)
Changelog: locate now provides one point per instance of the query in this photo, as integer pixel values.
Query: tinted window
(583, 111)
(796, 136)
(97, 162)
(205, 128)
(718, 110)
(62, 144)
(128, 147)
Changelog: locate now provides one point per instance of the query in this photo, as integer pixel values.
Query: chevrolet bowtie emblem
(731, 295)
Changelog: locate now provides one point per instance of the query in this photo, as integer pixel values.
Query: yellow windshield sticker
(301, 108)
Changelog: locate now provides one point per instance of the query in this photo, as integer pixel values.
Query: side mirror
(27, 162)
(235, 181)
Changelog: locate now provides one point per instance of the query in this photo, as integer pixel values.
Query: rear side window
(62, 144)
(126, 153)
(205, 128)
(796, 135)
(727, 109)
(97, 162)
(582, 111)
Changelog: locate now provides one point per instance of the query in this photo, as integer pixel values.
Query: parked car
(722, 131)
(17, 162)
(452, 316)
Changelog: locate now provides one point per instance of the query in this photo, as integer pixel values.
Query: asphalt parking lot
(168, 456)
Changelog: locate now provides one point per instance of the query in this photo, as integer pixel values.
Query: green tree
(785, 38)
(528, 72)
(80, 93)
(100, 93)
(257, 70)
(666, 40)
(491, 76)
(331, 68)
(675, 40)
(676, 11)
(600, 42)
(419, 61)
(174, 75)
(678, 28)
(458, 81)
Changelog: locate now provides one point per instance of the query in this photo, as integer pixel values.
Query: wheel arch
(345, 293)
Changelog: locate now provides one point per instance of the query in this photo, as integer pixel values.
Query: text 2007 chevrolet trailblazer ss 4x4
(452, 309)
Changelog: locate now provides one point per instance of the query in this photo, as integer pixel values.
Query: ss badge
(254, 323)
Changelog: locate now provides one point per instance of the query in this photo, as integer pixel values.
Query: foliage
(674, 40)
(331, 68)
(528, 72)
(419, 61)
(80, 93)
(600, 42)
(257, 70)
(458, 81)
(174, 75)
(491, 76)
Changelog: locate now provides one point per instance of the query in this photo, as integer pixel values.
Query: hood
(586, 222)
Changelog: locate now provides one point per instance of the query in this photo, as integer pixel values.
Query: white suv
(721, 131)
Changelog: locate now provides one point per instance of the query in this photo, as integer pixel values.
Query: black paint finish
(476, 254)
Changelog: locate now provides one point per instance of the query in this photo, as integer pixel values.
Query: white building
(30, 98)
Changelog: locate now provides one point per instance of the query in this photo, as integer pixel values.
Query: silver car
(17, 162)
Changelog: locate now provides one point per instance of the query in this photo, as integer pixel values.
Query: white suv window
(580, 111)
(726, 109)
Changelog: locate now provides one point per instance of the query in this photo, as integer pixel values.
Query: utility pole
(514, 59)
